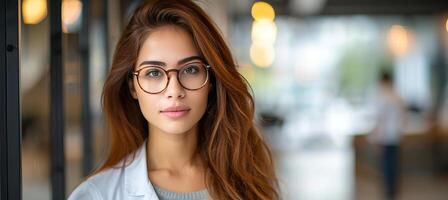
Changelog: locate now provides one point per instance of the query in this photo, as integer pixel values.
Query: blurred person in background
(386, 134)
(180, 116)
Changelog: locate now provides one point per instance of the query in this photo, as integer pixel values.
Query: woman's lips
(175, 114)
(175, 111)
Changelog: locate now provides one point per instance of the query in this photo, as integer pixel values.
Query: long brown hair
(238, 162)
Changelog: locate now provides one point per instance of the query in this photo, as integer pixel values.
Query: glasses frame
(167, 72)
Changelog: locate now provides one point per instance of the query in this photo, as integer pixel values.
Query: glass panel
(34, 87)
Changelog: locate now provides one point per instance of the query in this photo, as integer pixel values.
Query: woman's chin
(176, 129)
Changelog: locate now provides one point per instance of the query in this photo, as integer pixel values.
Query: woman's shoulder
(86, 190)
(102, 185)
(128, 177)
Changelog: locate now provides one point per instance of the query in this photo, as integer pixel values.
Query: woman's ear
(132, 88)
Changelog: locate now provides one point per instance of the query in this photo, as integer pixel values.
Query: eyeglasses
(154, 79)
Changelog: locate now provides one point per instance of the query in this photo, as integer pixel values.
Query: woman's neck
(172, 152)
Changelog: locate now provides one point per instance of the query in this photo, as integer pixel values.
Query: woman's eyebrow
(187, 59)
(153, 62)
(163, 64)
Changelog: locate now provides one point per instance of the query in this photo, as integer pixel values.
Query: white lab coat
(130, 182)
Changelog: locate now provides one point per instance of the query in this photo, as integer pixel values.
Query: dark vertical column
(439, 77)
(10, 131)
(106, 35)
(56, 103)
(85, 90)
(3, 113)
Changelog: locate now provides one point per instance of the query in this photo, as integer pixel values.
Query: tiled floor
(413, 187)
(330, 175)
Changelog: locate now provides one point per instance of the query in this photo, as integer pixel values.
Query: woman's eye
(153, 73)
(192, 69)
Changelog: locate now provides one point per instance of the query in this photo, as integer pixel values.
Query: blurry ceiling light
(262, 54)
(399, 40)
(71, 12)
(263, 11)
(264, 31)
(307, 7)
(34, 11)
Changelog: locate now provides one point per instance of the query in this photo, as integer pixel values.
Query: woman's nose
(174, 88)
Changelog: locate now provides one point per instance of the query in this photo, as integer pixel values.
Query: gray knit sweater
(168, 195)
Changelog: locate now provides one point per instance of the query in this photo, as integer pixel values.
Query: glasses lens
(193, 76)
(152, 79)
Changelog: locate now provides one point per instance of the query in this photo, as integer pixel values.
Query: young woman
(180, 115)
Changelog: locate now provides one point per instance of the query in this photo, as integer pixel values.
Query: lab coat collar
(137, 183)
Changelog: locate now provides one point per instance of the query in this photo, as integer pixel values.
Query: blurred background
(317, 69)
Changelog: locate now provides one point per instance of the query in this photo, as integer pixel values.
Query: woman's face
(175, 110)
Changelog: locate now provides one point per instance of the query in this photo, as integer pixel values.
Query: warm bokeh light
(34, 11)
(399, 40)
(264, 31)
(262, 54)
(71, 12)
(263, 11)
(446, 25)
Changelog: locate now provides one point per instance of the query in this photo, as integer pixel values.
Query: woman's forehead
(168, 44)
(181, 62)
